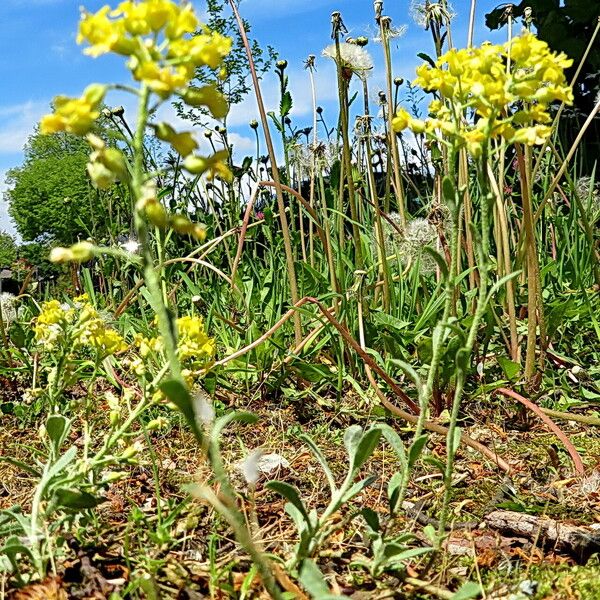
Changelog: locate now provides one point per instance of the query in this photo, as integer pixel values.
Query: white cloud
(242, 145)
(299, 85)
(16, 124)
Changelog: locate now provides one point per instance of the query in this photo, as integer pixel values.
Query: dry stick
(502, 226)
(343, 86)
(531, 261)
(583, 220)
(311, 211)
(313, 155)
(565, 416)
(567, 160)
(471, 23)
(430, 588)
(343, 332)
(289, 256)
(323, 233)
(384, 270)
(238, 254)
(578, 463)
(203, 263)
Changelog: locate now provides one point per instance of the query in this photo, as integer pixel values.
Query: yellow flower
(79, 252)
(194, 343)
(206, 49)
(184, 226)
(185, 21)
(163, 80)
(75, 115)
(401, 121)
(208, 96)
(50, 322)
(213, 166)
(107, 165)
(104, 35)
(102, 338)
(477, 79)
(474, 140)
(531, 136)
(156, 213)
(183, 142)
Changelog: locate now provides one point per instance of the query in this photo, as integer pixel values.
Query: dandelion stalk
(289, 253)
(343, 83)
(384, 32)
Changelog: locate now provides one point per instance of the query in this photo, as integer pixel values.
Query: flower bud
(156, 424)
(112, 476)
(60, 255)
(282, 65)
(156, 213)
(254, 124)
(82, 251)
(196, 165)
(180, 224)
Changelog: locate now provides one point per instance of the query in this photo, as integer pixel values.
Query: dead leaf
(49, 589)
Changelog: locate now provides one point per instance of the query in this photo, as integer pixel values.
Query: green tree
(8, 249)
(50, 196)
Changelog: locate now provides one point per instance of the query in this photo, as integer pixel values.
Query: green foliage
(50, 191)
(8, 249)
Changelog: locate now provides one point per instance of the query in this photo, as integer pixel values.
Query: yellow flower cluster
(107, 165)
(193, 344)
(77, 325)
(151, 33)
(508, 88)
(195, 349)
(75, 115)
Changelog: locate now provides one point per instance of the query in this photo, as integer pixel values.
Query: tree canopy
(8, 249)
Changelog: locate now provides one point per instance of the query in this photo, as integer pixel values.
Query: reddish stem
(577, 462)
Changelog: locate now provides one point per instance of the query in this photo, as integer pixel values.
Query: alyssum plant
(162, 55)
(483, 97)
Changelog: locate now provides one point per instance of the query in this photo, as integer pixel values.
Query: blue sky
(40, 59)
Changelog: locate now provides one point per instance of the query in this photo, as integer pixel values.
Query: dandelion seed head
(9, 309)
(423, 12)
(353, 57)
(131, 246)
(589, 194)
(250, 466)
(408, 242)
(203, 408)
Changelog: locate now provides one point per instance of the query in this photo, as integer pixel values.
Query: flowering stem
(289, 254)
(483, 248)
(151, 277)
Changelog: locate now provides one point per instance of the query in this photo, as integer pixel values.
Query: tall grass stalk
(285, 232)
